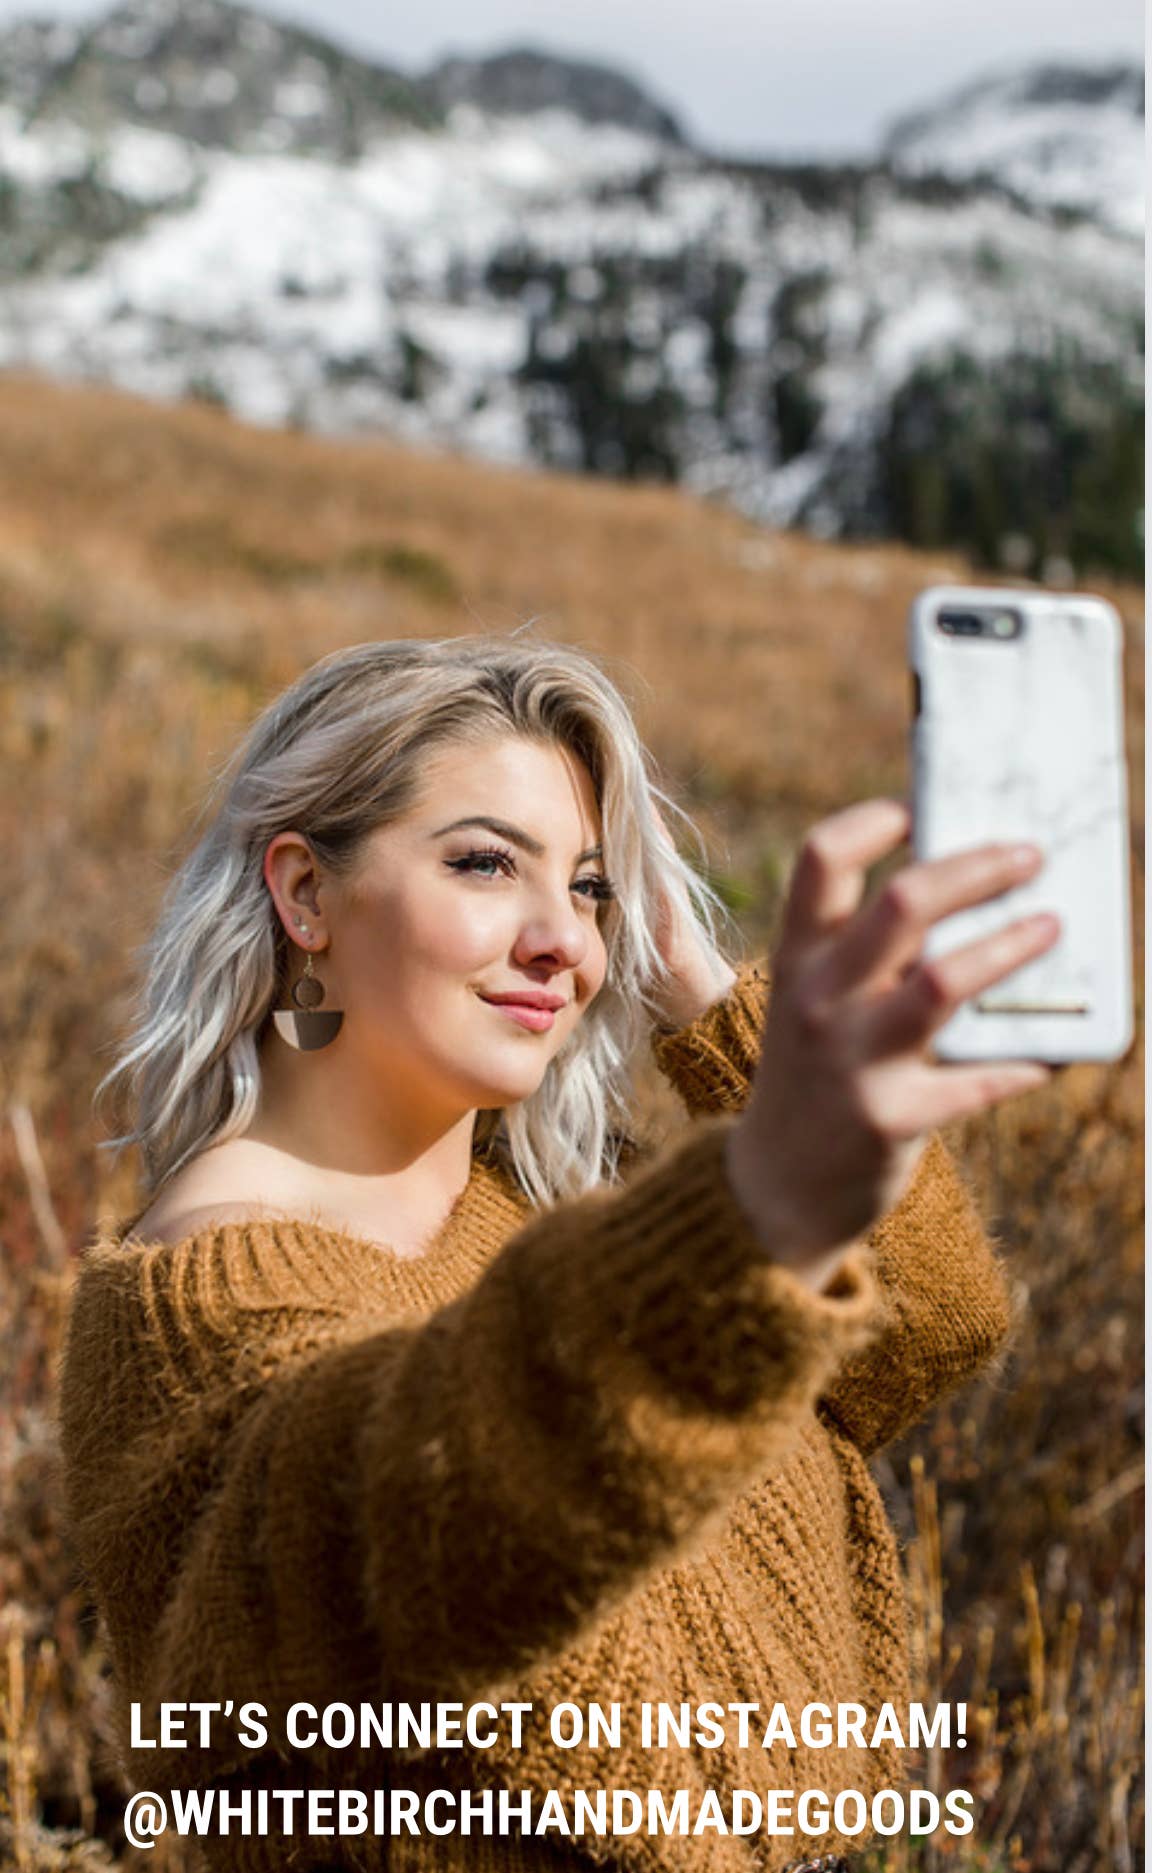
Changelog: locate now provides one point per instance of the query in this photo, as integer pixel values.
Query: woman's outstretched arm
(946, 1300)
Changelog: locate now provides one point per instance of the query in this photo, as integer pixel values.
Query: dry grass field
(162, 573)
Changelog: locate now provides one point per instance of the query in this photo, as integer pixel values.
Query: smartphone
(1018, 734)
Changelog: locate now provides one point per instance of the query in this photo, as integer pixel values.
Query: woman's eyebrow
(513, 834)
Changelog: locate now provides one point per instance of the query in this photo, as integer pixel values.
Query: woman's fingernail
(1045, 923)
(1026, 857)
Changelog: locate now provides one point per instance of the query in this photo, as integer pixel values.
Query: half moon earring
(306, 1025)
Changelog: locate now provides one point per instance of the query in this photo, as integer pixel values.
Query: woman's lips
(538, 1019)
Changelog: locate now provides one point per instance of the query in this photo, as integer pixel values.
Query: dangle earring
(306, 1025)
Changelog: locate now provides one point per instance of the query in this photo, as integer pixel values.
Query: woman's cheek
(459, 936)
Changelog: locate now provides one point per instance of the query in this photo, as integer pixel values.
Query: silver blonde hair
(336, 756)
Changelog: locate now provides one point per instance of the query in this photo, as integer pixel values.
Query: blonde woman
(410, 1387)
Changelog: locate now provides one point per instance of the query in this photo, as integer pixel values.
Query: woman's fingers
(890, 932)
(828, 882)
(942, 1095)
(930, 993)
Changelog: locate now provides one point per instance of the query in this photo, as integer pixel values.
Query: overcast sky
(818, 77)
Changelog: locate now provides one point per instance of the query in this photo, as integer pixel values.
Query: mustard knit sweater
(603, 1452)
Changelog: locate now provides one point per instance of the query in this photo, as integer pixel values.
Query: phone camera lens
(992, 623)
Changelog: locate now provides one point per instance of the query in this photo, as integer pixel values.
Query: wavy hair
(338, 755)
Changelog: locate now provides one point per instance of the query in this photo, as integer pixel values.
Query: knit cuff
(711, 1061)
(947, 1304)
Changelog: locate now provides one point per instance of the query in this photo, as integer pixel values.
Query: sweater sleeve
(711, 1061)
(947, 1305)
(279, 1503)
(943, 1288)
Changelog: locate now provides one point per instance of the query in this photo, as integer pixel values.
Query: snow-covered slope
(298, 288)
(569, 284)
(1059, 135)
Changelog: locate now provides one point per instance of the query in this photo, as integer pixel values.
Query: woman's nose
(552, 933)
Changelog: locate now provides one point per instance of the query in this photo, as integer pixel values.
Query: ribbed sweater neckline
(471, 1233)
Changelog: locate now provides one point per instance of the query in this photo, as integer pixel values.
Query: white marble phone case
(1023, 739)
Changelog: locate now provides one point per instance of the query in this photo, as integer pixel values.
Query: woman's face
(447, 917)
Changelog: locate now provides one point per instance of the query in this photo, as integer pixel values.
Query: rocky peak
(1067, 137)
(1022, 93)
(1121, 85)
(226, 76)
(524, 80)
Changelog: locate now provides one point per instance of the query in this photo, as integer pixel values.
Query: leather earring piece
(306, 1025)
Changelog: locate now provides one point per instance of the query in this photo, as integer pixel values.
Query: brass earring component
(308, 992)
(306, 1025)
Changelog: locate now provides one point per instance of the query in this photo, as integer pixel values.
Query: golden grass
(162, 573)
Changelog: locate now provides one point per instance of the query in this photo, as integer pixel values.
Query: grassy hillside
(162, 573)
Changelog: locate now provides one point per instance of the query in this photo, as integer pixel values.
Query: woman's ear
(292, 877)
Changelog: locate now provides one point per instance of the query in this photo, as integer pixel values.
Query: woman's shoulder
(164, 1227)
(228, 1183)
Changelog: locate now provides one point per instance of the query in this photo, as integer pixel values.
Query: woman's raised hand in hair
(846, 1090)
(698, 974)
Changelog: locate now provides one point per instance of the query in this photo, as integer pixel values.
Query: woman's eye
(473, 861)
(491, 862)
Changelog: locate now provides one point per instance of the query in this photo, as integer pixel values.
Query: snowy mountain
(1059, 135)
(523, 257)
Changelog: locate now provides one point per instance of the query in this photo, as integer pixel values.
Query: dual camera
(997, 622)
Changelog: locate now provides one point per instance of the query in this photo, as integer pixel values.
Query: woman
(401, 1391)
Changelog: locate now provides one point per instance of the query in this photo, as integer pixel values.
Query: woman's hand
(698, 975)
(845, 1091)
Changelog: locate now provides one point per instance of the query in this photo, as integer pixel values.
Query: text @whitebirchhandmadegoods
(320, 1812)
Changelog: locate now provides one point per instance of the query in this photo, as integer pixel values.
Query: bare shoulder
(161, 1226)
(229, 1183)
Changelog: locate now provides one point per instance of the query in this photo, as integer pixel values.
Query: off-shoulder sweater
(605, 1452)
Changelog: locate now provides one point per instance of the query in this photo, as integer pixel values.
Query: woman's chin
(508, 1089)
(508, 1093)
